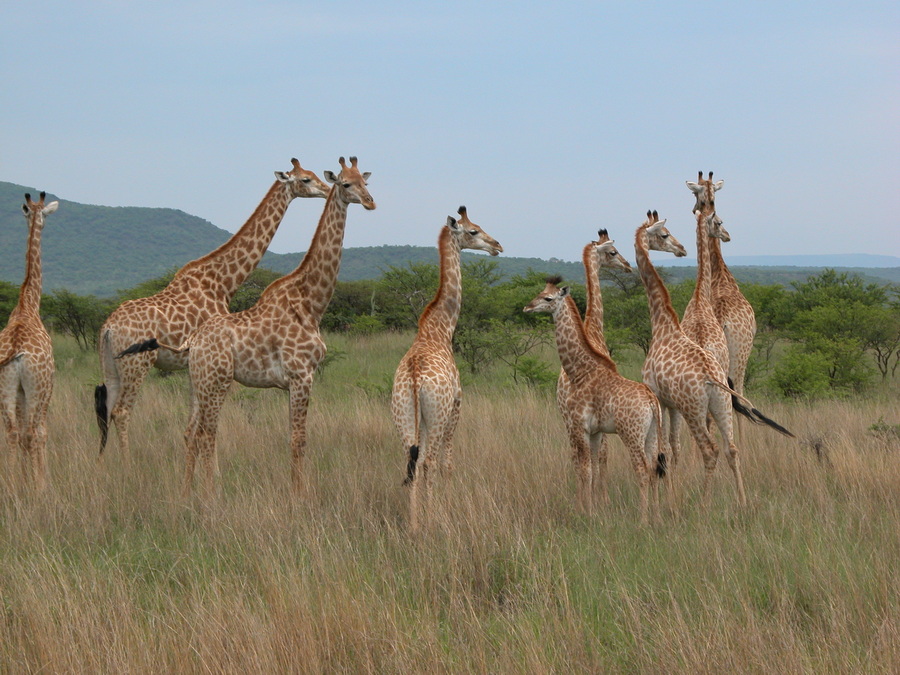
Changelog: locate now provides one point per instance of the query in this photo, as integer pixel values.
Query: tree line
(833, 334)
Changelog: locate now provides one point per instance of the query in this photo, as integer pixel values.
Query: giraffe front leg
(299, 404)
(581, 456)
(708, 450)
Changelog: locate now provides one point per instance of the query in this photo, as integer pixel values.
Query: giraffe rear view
(26, 359)
(426, 394)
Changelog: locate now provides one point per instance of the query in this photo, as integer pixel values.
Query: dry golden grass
(111, 571)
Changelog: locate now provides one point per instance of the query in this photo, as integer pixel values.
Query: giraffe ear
(718, 185)
(50, 208)
(564, 291)
(369, 173)
(282, 177)
(694, 187)
(25, 209)
(330, 177)
(451, 223)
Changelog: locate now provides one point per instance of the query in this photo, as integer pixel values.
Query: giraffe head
(35, 211)
(607, 254)
(303, 183)
(659, 238)
(713, 225)
(549, 299)
(705, 191)
(350, 184)
(469, 235)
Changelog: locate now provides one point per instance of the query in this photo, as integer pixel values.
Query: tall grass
(112, 571)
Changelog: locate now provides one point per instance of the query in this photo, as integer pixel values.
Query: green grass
(112, 571)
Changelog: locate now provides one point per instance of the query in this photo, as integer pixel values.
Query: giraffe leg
(132, 371)
(11, 426)
(637, 448)
(708, 449)
(299, 394)
(447, 437)
(599, 457)
(582, 457)
(417, 480)
(724, 418)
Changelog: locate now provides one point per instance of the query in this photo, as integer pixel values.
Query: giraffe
(594, 256)
(26, 359)
(426, 395)
(682, 374)
(699, 322)
(201, 289)
(729, 304)
(275, 343)
(600, 401)
(686, 378)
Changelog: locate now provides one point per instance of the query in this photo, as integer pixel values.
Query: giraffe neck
(720, 275)
(312, 283)
(662, 316)
(703, 289)
(30, 293)
(593, 314)
(228, 266)
(438, 320)
(576, 354)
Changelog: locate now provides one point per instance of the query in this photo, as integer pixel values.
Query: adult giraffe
(200, 290)
(732, 309)
(26, 358)
(275, 343)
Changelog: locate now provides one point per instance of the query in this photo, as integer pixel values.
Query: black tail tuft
(772, 423)
(662, 465)
(744, 410)
(100, 408)
(139, 347)
(411, 464)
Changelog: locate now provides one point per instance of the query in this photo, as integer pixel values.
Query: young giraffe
(732, 309)
(201, 289)
(600, 401)
(275, 343)
(426, 395)
(26, 359)
(594, 256)
(685, 377)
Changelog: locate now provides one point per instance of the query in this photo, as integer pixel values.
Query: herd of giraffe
(694, 368)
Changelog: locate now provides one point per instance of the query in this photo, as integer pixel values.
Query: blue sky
(548, 120)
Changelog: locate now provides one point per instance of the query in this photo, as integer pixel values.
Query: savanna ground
(112, 571)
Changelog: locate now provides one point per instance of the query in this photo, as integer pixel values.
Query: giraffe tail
(151, 345)
(743, 406)
(662, 462)
(413, 454)
(102, 414)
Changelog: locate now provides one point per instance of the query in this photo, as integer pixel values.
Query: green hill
(99, 250)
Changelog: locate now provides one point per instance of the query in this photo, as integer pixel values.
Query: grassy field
(111, 571)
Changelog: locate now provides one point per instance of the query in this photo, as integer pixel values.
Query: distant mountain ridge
(99, 250)
(806, 260)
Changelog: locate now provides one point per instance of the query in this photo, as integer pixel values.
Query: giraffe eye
(664, 236)
(548, 299)
(473, 232)
(346, 186)
(306, 180)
